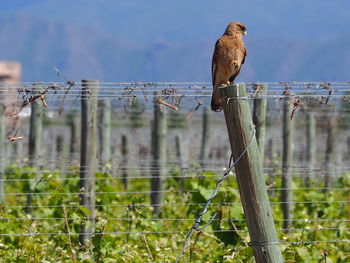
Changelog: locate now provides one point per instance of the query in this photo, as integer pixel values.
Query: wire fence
(43, 198)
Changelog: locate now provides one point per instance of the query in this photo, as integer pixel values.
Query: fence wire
(34, 196)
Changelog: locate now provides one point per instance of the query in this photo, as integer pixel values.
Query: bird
(228, 58)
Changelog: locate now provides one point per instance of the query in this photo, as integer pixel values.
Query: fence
(122, 170)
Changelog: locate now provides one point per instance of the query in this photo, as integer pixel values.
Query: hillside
(185, 21)
(83, 52)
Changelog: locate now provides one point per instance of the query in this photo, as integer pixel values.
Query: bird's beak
(245, 32)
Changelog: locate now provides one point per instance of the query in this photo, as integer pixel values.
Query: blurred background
(130, 160)
(173, 40)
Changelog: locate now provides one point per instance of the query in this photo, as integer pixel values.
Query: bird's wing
(213, 62)
(240, 54)
(245, 54)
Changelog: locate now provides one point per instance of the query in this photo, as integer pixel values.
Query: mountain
(39, 45)
(173, 41)
(183, 21)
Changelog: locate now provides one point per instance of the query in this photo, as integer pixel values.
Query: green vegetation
(117, 231)
(177, 120)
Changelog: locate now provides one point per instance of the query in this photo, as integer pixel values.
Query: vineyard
(145, 172)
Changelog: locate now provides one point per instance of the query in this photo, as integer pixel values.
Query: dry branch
(161, 101)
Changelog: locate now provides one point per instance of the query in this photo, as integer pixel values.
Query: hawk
(228, 58)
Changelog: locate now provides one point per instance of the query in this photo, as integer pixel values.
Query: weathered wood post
(159, 157)
(124, 163)
(35, 138)
(179, 152)
(310, 144)
(73, 124)
(35, 129)
(59, 150)
(203, 157)
(250, 175)
(287, 160)
(271, 149)
(2, 152)
(259, 117)
(104, 128)
(143, 153)
(180, 158)
(330, 151)
(88, 154)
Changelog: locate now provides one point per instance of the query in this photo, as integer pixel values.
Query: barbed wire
(290, 84)
(132, 90)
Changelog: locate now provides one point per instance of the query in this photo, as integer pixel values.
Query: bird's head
(235, 28)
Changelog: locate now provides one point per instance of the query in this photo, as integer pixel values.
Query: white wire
(174, 232)
(165, 205)
(171, 191)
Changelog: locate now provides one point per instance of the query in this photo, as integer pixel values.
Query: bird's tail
(216, 101)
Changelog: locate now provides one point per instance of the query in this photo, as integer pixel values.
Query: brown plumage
(228, 57)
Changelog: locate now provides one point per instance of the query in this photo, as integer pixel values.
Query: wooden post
(59, 150)
(124, 164)
(310, 144)
(179, 151)
(259, 117)
(203, 157)
(88, 154)
(143, 153)
(17, 150)
(74, 134)
(330, 151)
(180, 158)
(35, 138)
(2, 152)
(104, 128)
(35, 129)
(158, 148)
(287, 160)
(250, 175)
(270, 150)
